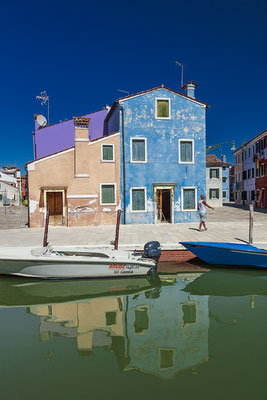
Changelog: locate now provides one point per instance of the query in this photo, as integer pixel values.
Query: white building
(214, 179)
(9, 190)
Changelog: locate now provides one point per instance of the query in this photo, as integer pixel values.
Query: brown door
(55, 206)
(164, 205)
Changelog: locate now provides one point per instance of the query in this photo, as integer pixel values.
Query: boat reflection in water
(151, 326)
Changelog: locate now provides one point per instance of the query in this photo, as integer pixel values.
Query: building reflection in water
(162, 331)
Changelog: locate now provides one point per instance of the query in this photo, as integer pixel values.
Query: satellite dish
(41, 120)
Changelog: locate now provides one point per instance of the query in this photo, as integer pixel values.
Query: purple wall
(113, 122)
(54, 138)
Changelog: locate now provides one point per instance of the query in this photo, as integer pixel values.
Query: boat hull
(232, 254)
(68, 270)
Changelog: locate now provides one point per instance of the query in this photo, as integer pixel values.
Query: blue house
(163, 159)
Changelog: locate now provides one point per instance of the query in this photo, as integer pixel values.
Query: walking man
(202, 208)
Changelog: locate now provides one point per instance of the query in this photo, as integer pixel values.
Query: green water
(190, 336)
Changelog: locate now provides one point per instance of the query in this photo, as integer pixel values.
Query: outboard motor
(152, 250)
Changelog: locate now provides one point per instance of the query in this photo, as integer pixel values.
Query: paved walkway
(228, 224)
(12, 217)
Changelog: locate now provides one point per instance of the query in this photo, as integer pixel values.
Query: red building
(261, 171)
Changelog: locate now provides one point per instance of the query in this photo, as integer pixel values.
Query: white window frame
(262, 165)
(131, 202)
(182, 198)
(215, 188)
(193, 151)
(156, 108)
(224, 191)
(107, 144)
(115, 193)
(131, 150)
(217, 168)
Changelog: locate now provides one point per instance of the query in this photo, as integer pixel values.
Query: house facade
(163, 138)
(217, 175)
(147, 158)
(251, 172)
(9, 189)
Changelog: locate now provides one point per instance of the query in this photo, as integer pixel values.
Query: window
(249, 153)
(257, 172)
(214, 194)
(252, 172)
(111, 317)
(214, 173)
(262, 169)
(107, 152)
(189, 199)
(244, 175)
(163, 108)
(141, 319)
(224, 194)
(138, 150)
(244, 195)
(242, 155)
(108, 194)
(189, 313)
(138, 199)
(166, 358)
(239, 158)
(252, 195)
(257, 147)
(238, 176)
(224, 179)
(248, 173)
(186, 151)
(224, 168)
(262, 144)
(245, 154)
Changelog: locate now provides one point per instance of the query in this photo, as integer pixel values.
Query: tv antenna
(44, 99)
(124, 91)
(182, 72)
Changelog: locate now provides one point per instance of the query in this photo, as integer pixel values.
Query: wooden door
(55, 206)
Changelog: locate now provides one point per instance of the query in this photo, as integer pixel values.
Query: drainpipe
(123, 162)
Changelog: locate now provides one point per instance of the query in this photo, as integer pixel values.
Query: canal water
(185, 336)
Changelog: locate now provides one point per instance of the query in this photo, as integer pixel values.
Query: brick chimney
(189, 89)
(81, 147)
(223, 158)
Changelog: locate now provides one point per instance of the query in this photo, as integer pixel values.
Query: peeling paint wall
(81, 205)
(188, 121)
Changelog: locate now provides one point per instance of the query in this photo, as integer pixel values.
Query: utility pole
(182, 72)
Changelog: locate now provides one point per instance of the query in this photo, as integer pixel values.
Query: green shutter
(210, 193)
(217, 173)
(163, 108)
(107, 152)
(217, 194)
(108, 194)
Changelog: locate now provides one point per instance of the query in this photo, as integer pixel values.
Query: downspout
(27, 193)
(123, 162)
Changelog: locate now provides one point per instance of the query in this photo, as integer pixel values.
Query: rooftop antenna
(182, 72)
(44, 99)
(123, 91)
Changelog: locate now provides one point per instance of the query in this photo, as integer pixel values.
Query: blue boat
(235, 254)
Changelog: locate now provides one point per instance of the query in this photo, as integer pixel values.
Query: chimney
(81, 147)
(223, 158)
(189, 89)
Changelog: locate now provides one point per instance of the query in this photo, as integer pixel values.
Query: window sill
(186, 162)
(108, 204)
(189, 209)
(168, 118)
(138, 162)
(108, 161)
(138, 211)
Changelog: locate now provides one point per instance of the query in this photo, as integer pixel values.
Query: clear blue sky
(81, 52)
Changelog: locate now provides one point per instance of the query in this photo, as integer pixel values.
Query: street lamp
(215, 146)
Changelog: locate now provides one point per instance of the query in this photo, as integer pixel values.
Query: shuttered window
(186, 150)
(214, 173)
(163, 108)
(189, 201)
(214, 194)
(108, 194)
(138, 199)
(107, 152)
(138, 150)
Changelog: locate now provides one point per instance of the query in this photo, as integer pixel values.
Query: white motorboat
(67, 262)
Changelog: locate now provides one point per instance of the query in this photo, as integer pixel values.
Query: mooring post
(45, 242)
(251, 209)
(116, 243)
